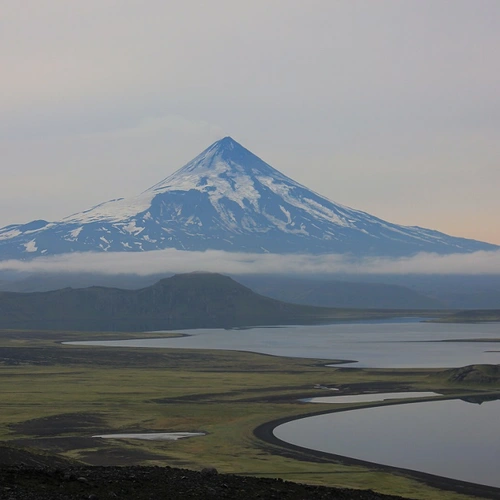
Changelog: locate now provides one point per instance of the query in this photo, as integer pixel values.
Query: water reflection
(479, 400)
(448, 438)
(368, 398)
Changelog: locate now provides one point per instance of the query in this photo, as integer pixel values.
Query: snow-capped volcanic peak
(226, 199)
(222, 171)
(228, 171)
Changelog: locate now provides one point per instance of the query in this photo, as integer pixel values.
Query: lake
(407, 344)
(453, 439)
(449, 438)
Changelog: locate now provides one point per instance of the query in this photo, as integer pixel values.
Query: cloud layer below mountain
(176, 261)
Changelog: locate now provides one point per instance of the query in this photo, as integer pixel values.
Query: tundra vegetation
(55, 397)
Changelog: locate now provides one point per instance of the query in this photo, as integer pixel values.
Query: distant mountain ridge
(183, 301)
(226, 199)
(305, 291)
(337, 293)
(372, 292)
(195, 300)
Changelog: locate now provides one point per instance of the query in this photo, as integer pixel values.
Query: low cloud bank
(177, 261)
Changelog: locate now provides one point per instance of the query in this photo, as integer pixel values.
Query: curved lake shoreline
(379, 345)
(265, 432)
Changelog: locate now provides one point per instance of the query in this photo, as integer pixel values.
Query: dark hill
(473, 316)
(197, 300)
(473, 374)
(352, 291)
(340, 293)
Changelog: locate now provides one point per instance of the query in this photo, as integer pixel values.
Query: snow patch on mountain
(31, 246)
(226, 199)
(75, 232)
(132, 228)
(113, 210)
(8, 234)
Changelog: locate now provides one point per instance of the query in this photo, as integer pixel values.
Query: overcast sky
(387, 106)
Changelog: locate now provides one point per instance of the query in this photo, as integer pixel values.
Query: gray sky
(387, 106)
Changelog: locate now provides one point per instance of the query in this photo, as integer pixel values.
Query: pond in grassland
(453, 438)
(370, 397)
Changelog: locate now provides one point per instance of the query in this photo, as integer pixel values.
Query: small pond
(368, 398)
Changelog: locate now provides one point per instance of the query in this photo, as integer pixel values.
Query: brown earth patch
(58, 444)
(364, 387)
(118, 456)
(60, 424)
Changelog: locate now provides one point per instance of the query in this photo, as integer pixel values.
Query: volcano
(227, 199)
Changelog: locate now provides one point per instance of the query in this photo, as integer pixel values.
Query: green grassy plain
(55, 397)
(471, 316)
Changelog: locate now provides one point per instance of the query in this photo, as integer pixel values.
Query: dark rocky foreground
(31, 476)
(101, 483)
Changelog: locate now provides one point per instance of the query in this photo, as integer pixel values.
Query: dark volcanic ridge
(349, 291)
(227, 199)
(195, 300)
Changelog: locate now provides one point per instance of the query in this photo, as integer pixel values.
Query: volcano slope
(228, 199)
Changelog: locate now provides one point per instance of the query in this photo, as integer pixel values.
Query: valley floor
(55, 398)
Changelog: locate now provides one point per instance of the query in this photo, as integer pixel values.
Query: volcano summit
(226, 199)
